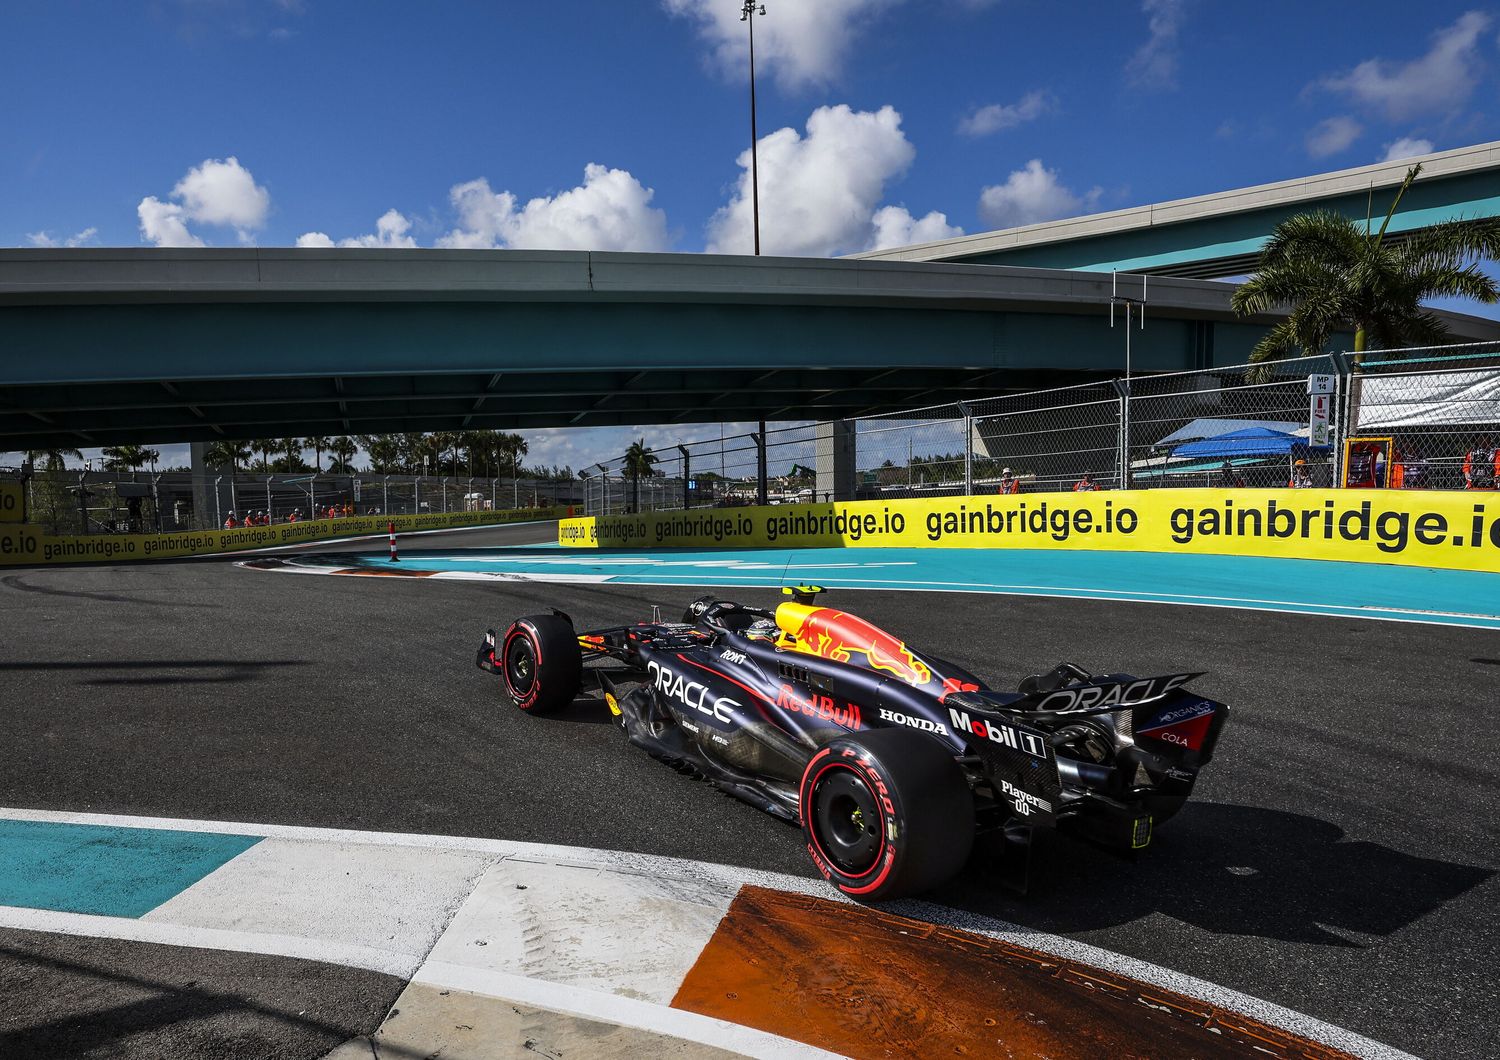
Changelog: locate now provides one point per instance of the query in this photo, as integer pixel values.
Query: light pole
(747, 15)
(1133, 307)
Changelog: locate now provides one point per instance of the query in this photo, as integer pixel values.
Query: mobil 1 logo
(1000, 733)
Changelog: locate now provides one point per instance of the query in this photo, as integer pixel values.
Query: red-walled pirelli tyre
(886, 813)
(540, 665)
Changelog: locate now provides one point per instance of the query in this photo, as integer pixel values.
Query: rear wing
(1102, 695)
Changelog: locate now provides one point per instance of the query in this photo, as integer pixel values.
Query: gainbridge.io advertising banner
(22, 545)
(1419, 528)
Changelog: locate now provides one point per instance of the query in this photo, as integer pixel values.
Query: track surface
(1339, 858)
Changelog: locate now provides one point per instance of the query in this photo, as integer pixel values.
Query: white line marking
(1371, 612)
(613, 1008)
(133, 930)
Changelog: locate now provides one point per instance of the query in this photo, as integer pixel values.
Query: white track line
(726, 578)
(716, 877)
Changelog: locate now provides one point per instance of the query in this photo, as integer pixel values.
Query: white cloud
(895, 227)
(392, 230)
(215, 192)
(1032, 195)
(1333, 135)
(164, 224)
(801, 43)
(77, 239)
(998, 116)
(818, 192)
(1437, 82)
(1406, 147)
(1154, 65)
(223, 193)
(610, 210)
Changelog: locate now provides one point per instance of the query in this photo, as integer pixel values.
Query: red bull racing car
(891, 760)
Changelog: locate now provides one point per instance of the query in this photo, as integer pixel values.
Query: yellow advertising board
(1414, 527)
(22, 545)
(12, 502)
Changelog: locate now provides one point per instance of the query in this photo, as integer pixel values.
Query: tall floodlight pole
(747, 15)
(1133, 307)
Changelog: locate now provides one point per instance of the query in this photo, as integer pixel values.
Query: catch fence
(1421, 418)
(85, 501)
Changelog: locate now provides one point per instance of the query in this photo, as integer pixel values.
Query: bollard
(394, 558)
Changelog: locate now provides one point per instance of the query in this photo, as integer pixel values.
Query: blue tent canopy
(1253, 441)
(1214, 427)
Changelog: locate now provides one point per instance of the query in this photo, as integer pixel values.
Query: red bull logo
(838, 636)
(821, 707)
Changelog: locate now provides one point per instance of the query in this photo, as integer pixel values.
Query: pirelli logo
(999, 732)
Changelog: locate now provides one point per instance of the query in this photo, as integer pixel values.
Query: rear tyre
(541, 668)
(886, 813)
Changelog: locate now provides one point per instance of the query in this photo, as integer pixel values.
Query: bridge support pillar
(209, 509)
(834, 461)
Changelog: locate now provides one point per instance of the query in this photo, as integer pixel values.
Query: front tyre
(886, 813)
(540, 665)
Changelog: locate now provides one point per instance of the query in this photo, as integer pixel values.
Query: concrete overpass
(1222, 234)
(105, 346)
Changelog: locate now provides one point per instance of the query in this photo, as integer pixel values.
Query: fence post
(760, 466)
(1344, 366)
(1122, 423)
(963, 407)
(687, 467)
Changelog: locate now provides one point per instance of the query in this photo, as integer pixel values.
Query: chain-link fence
(1425, 418)
(1433, 413)
(102, 502)
(1414, 419)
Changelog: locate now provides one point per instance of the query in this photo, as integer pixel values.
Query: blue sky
(610, 125)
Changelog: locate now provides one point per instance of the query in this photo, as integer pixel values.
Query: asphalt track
(1339, 858)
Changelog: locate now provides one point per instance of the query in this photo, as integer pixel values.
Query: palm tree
(342, 449)
(317, 444)
(1335, 277)
(127, 457)
(638, 461)
(225, 452)
(265, 447)
(52, 459)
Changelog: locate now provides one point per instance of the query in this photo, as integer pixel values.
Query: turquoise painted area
(1364, 590)
(126, 872)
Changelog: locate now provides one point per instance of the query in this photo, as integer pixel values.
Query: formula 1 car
(891, 761)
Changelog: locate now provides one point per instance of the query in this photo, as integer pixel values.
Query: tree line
(475, 454)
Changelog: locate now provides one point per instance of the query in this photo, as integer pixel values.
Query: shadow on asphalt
(17, 582)
(1237, 870)
(206, 671)
(95, 1010)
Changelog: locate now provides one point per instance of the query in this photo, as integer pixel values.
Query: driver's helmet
(762, 629)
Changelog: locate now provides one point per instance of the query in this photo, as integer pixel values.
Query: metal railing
(100, 502)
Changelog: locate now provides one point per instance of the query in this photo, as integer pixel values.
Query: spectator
(1229, 478)
(1086, 483)
(1008, 482)
(1482, 465)
(231, 523)
(1301, 479)
(296, 514)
